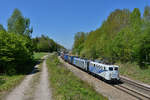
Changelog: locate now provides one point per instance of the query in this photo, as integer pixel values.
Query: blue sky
(61, 19)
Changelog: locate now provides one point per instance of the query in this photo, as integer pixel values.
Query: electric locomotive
(107, 72)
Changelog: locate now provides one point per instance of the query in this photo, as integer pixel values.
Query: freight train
(106, 71)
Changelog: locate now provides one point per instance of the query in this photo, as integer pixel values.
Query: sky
(62, 19)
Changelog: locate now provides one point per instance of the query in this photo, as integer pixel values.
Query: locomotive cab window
(116, 68)
(110, 68)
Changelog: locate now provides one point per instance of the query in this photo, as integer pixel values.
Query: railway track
(135, 84)
(132, 92)
(137, 90)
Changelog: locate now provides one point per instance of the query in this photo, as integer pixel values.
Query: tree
(45, 44)
(2, 28)
(146, 18)
(143, 51)
(15, 53)
(123, 36)
(16, 49)
(135, 20)
(100, 40)
(146, 14)
(19, 24)
(79, 39)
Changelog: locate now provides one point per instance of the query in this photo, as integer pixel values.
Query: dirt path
(43, 91)
(19, 92)
(34, 86)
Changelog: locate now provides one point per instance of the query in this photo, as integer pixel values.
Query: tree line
(124, 36)
(17, 46)
(46, 44)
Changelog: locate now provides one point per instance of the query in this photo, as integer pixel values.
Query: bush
(15, 52)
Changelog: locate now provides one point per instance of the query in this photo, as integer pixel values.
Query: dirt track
(34, 87)
(43, 92)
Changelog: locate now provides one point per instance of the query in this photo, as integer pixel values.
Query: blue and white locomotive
(107, 72)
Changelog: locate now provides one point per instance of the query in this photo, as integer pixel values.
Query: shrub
(15, 52)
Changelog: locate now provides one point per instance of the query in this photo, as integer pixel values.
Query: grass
(9, 82)
(38, 55)
(6, 82)
(66, 86)
(133, 71)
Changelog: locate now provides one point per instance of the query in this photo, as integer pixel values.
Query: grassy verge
(133, 71)
(9, 82)
(66, 86)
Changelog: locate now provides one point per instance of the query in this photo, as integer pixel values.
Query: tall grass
(66, 86)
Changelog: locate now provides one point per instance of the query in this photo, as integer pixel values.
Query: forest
(46, 44)
(123, 37)
(17, 46)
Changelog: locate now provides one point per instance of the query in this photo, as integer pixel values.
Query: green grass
(66, 86)
(9, 82)
(133, 71)
(38, 55)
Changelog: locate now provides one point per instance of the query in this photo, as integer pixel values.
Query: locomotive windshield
(111, 68)
(116, 68)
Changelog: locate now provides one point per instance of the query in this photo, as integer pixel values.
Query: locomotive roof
(79, 59)
(96, 63)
